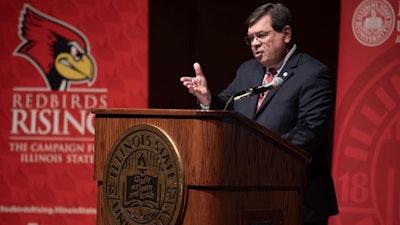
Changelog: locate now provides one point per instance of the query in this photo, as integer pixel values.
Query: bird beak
(73, 69)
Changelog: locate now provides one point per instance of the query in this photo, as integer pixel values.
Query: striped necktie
(268, 77)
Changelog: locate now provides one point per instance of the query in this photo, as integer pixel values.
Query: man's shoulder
(302, 58)
(251, 64)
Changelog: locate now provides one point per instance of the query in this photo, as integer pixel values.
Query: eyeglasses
(260, 36)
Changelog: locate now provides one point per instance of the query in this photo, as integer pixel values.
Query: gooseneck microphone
(275, 83)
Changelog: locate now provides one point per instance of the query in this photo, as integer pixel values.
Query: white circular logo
(373, 22)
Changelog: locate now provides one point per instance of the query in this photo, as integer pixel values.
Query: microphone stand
(233, 98)
(229, 102)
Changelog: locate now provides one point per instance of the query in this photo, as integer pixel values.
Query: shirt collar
(283, 62)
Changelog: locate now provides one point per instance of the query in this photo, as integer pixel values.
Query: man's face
(268, 46)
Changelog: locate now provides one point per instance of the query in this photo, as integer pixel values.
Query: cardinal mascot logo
(59, 51)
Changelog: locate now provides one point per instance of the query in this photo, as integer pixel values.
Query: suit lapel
(286, 72)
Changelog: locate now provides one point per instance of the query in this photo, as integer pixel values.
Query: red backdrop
(367, 125)
(59, 60)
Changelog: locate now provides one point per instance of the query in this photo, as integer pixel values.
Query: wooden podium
(234, 170)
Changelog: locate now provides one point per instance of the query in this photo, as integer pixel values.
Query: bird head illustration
(58, 50)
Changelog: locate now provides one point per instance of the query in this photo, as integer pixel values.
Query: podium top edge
(161, 112)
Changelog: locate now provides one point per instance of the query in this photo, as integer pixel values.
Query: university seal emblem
(367, 162)
(143, 180)
(373, 22)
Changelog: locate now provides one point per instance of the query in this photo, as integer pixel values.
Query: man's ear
(287, 31)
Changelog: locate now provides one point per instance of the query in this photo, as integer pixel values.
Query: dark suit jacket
(300, 111)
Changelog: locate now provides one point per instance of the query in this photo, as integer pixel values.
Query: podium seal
(143, 178)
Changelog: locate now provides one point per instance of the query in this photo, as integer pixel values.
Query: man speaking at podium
(299, 107)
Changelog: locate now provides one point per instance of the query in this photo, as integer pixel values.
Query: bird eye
(75, 53)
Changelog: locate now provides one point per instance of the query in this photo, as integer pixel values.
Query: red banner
(366, 164)
(59, 60)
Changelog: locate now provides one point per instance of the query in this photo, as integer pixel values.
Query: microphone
(275, 83)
